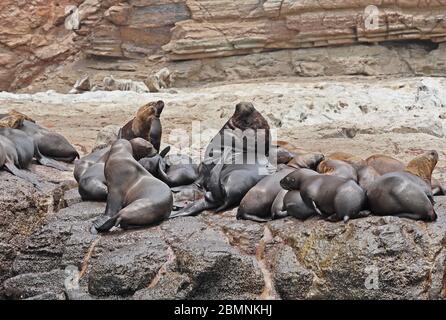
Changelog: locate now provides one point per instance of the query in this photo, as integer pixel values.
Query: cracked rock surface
(215, 256)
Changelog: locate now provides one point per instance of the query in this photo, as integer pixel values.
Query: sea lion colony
(144, 185)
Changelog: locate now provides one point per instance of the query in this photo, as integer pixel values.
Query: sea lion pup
(146, 124)
(290, 203)
(337, 168)
(9, 160)
(256, 204)
(384, 164)
(51, 144)
(335, 198)
(135, 198)
(407, 193)
(92, 183)
(306, 160)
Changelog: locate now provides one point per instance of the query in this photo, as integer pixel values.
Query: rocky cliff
(53, 42)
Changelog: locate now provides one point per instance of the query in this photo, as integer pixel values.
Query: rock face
(56, 42)
(225, 28)
(217, 257)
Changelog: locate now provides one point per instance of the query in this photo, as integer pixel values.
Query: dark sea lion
(257, 203)
(27, 149)
(177, 170)
(81, 165)
(366, 176)
(338, 168)
(146, 124)
(184, 196)
(335, 198)
(290, 203)
(92, 182)
(135, 198)
(226, 186)
(384, 164)
(51, 144)
(153, 163)
(407, 193)
(245, 119)
(10, 161)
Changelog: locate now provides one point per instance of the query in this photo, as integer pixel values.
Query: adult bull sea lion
(384, 164)
(146, 124)
(407, 193)
(135, 198)
(335, 198)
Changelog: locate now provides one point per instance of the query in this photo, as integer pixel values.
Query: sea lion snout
(159, 107)
(433, 155)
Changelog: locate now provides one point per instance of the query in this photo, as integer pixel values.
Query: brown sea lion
(384, 164)
(306, 160)
(407, 193)
(135, 198)
(347, 157)
(337, 168)
(366, 176)
(335, 198)
(146, 124)
(256, 204)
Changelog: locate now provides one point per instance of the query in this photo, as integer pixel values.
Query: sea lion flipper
(193, 209)
(165, 151)
(104, 223)
(247, 216)
(44, 161)
(23, 174)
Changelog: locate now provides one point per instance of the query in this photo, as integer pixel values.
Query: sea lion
(337, 168)
(351, 159)
(51, 144)
(135, 198)
(245, 120)
(92, 182)
(306, 160)
(9, 160)
(384, 164)
(407, 193)
(366, 176)
(226, 186)
(177, 170)
(81, 165)
(257, 203)
(290, 203)
(184, 196)
(146, 124)
(27, 148)
(335, 198)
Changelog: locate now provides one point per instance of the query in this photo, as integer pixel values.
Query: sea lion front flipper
(23, 174)
(104, 223)
(280, 214)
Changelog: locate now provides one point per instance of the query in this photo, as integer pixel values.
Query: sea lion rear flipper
(247, 216)
(280, 214)
(44, 161)
(104, 223)
(23, 174)
(193, 209)
(165, 151)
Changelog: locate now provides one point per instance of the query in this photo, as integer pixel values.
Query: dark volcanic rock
(214, 256)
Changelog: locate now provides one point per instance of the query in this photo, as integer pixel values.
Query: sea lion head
(246, 116)
(142, 148)
(309, 160)
(423, 166)
(325, 167)
(144, 116)
(294, 180)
